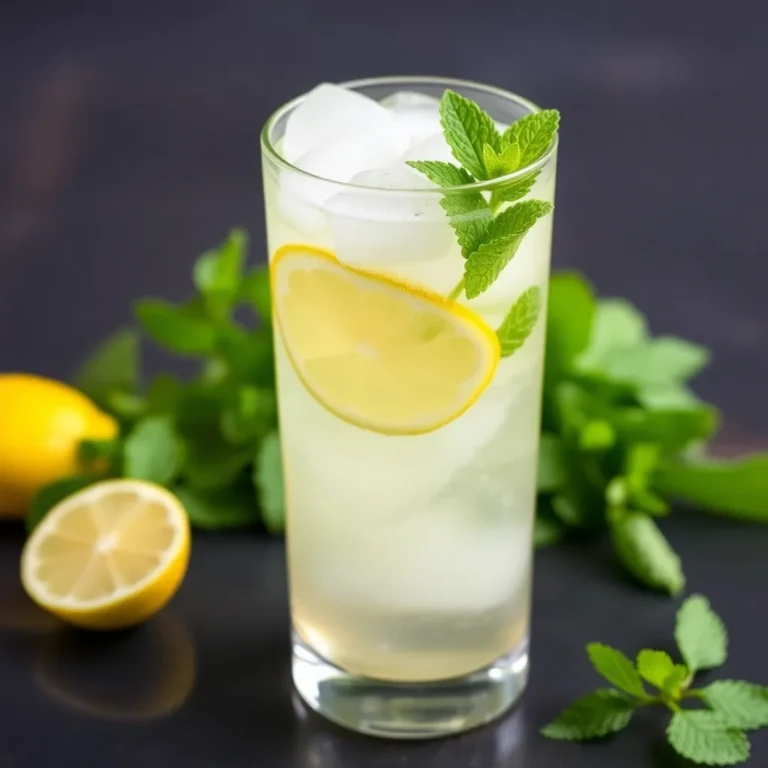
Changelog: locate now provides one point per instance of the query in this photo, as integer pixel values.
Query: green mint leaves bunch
(707, 725)
(212, 438)
(488, 232)
(623, 435)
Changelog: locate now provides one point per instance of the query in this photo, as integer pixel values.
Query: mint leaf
(505, 234)
(617, 326)
(518, 219)
(268, 478)
(533, 134)
(551, 470)
(153, 451)
(113, 367)
(597, 435)
(199, 407)
(179, 329)
(470, 217)
(574, 406)
(492, 162)
(570, 317)
(442, 174)
(210, 462)
(670, 395)
(251, 416)
(700, 635)
(520, 321)
(734, 488)
(678, 679)
(742, 705)
(52, 493)
(255, 290)
(705, 738)
(645, 553)
(125, 405)
(484, 266)
(246, 356)
(655, 667)
(229, 508)
(499, 164)
(656, 364)
(513, 190)
(676, 359)
(467, 128)
(597, 714)
(510, 158)
(641, 460)
(164, 394)
(672, 431)
(616, 668)
(650, 503)
(217, 274)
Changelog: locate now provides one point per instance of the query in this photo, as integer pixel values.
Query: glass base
(409, 710)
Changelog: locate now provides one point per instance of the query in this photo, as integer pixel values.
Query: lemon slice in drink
(109, 556)
(377, 352)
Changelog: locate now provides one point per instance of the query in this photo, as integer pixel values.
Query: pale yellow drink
(410, 555)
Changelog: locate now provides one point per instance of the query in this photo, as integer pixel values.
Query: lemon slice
(377, 352)
(110, 556)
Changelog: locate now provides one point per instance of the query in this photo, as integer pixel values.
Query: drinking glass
(409, 550)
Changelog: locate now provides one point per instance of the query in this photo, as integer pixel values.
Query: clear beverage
(409, 554)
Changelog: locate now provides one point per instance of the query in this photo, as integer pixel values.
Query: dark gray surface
(207, 682)
(128, 143)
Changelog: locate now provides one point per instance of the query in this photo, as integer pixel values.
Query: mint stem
(457, 291)
(694, 694)
(495, 202)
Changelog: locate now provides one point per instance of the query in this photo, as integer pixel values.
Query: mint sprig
(708, 724)
(490, 237)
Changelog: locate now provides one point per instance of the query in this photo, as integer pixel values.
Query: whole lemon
(41, 425)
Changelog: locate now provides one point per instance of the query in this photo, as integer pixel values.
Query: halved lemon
(109, 556)
(378, 352)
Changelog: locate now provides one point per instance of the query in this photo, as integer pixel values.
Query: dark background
(129, 143)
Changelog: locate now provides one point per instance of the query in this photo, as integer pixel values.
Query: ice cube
(334, 135)
(342, 158)
(416, 112)
(409, 100)
(300, 201)
(433, 147)
(329, 111)
(397, 176)
(379, 226)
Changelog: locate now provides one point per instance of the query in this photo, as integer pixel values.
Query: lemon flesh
(109, 556)
(377, 352)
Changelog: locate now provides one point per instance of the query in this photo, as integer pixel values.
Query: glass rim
(275, 157)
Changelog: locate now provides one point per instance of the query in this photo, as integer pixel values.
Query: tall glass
(409, 554)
